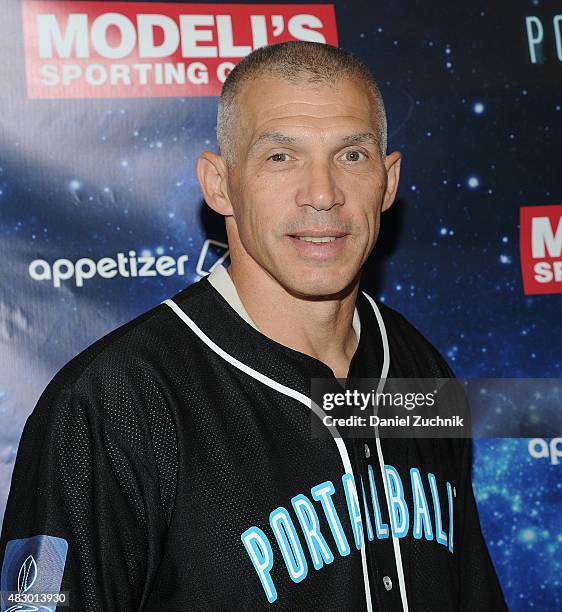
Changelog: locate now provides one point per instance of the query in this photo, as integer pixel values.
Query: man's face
(308, 185)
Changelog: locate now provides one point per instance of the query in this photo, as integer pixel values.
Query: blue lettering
(422, 519)
(289, 544)
(399, 515)
(308, 519)
(354, 509)
(259, 549)
(380, 527)
(440, 535)
(450, 498)
(370, 534)
(323, 493)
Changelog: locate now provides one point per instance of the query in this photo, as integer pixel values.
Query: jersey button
(367, 451)
(387, 583)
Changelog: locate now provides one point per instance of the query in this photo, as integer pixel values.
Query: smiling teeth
(315, 239)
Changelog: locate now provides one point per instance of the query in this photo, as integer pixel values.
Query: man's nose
(319, 187)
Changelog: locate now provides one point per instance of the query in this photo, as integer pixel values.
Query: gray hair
(295, 61)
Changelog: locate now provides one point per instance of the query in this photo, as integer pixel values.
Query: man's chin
(321, 285)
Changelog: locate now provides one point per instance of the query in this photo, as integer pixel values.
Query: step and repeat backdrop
(105, 107)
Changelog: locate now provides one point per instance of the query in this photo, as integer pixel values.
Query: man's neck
(319, 328)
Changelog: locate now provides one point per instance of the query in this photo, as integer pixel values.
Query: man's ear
(211, 173)
(392, 165)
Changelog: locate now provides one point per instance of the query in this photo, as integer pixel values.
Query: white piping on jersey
(384, 374)
(306, 401)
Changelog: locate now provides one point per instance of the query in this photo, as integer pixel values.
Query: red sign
(540, 243)
(146, 49)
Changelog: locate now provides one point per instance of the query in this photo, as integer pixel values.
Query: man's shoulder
(411, 345)
(126, 356)
(397, 323)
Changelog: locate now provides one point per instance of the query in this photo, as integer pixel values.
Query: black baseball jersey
(170, 467)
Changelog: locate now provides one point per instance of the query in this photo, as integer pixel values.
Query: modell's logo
(138, 49)
(541, 249)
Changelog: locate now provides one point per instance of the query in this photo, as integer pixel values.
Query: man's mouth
(319, 244)
(327, 234)
(317, 238)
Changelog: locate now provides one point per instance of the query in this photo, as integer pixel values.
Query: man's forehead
(268, 99)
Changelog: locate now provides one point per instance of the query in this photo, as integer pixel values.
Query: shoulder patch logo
(32, 565)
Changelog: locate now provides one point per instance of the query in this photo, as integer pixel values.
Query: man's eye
(276, 156)
(353, 156)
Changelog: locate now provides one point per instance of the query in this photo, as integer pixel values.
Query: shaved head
(296, 62)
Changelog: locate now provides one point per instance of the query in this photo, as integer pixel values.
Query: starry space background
(479, 129)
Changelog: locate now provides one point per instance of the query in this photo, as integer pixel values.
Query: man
(170, 466)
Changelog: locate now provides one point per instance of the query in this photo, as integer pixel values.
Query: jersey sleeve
(83, 513)
(479, 585)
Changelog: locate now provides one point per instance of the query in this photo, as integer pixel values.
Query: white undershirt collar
(221, 281)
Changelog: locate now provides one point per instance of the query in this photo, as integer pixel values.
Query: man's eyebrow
(284, 139)
(274, 138)
(361, 137)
